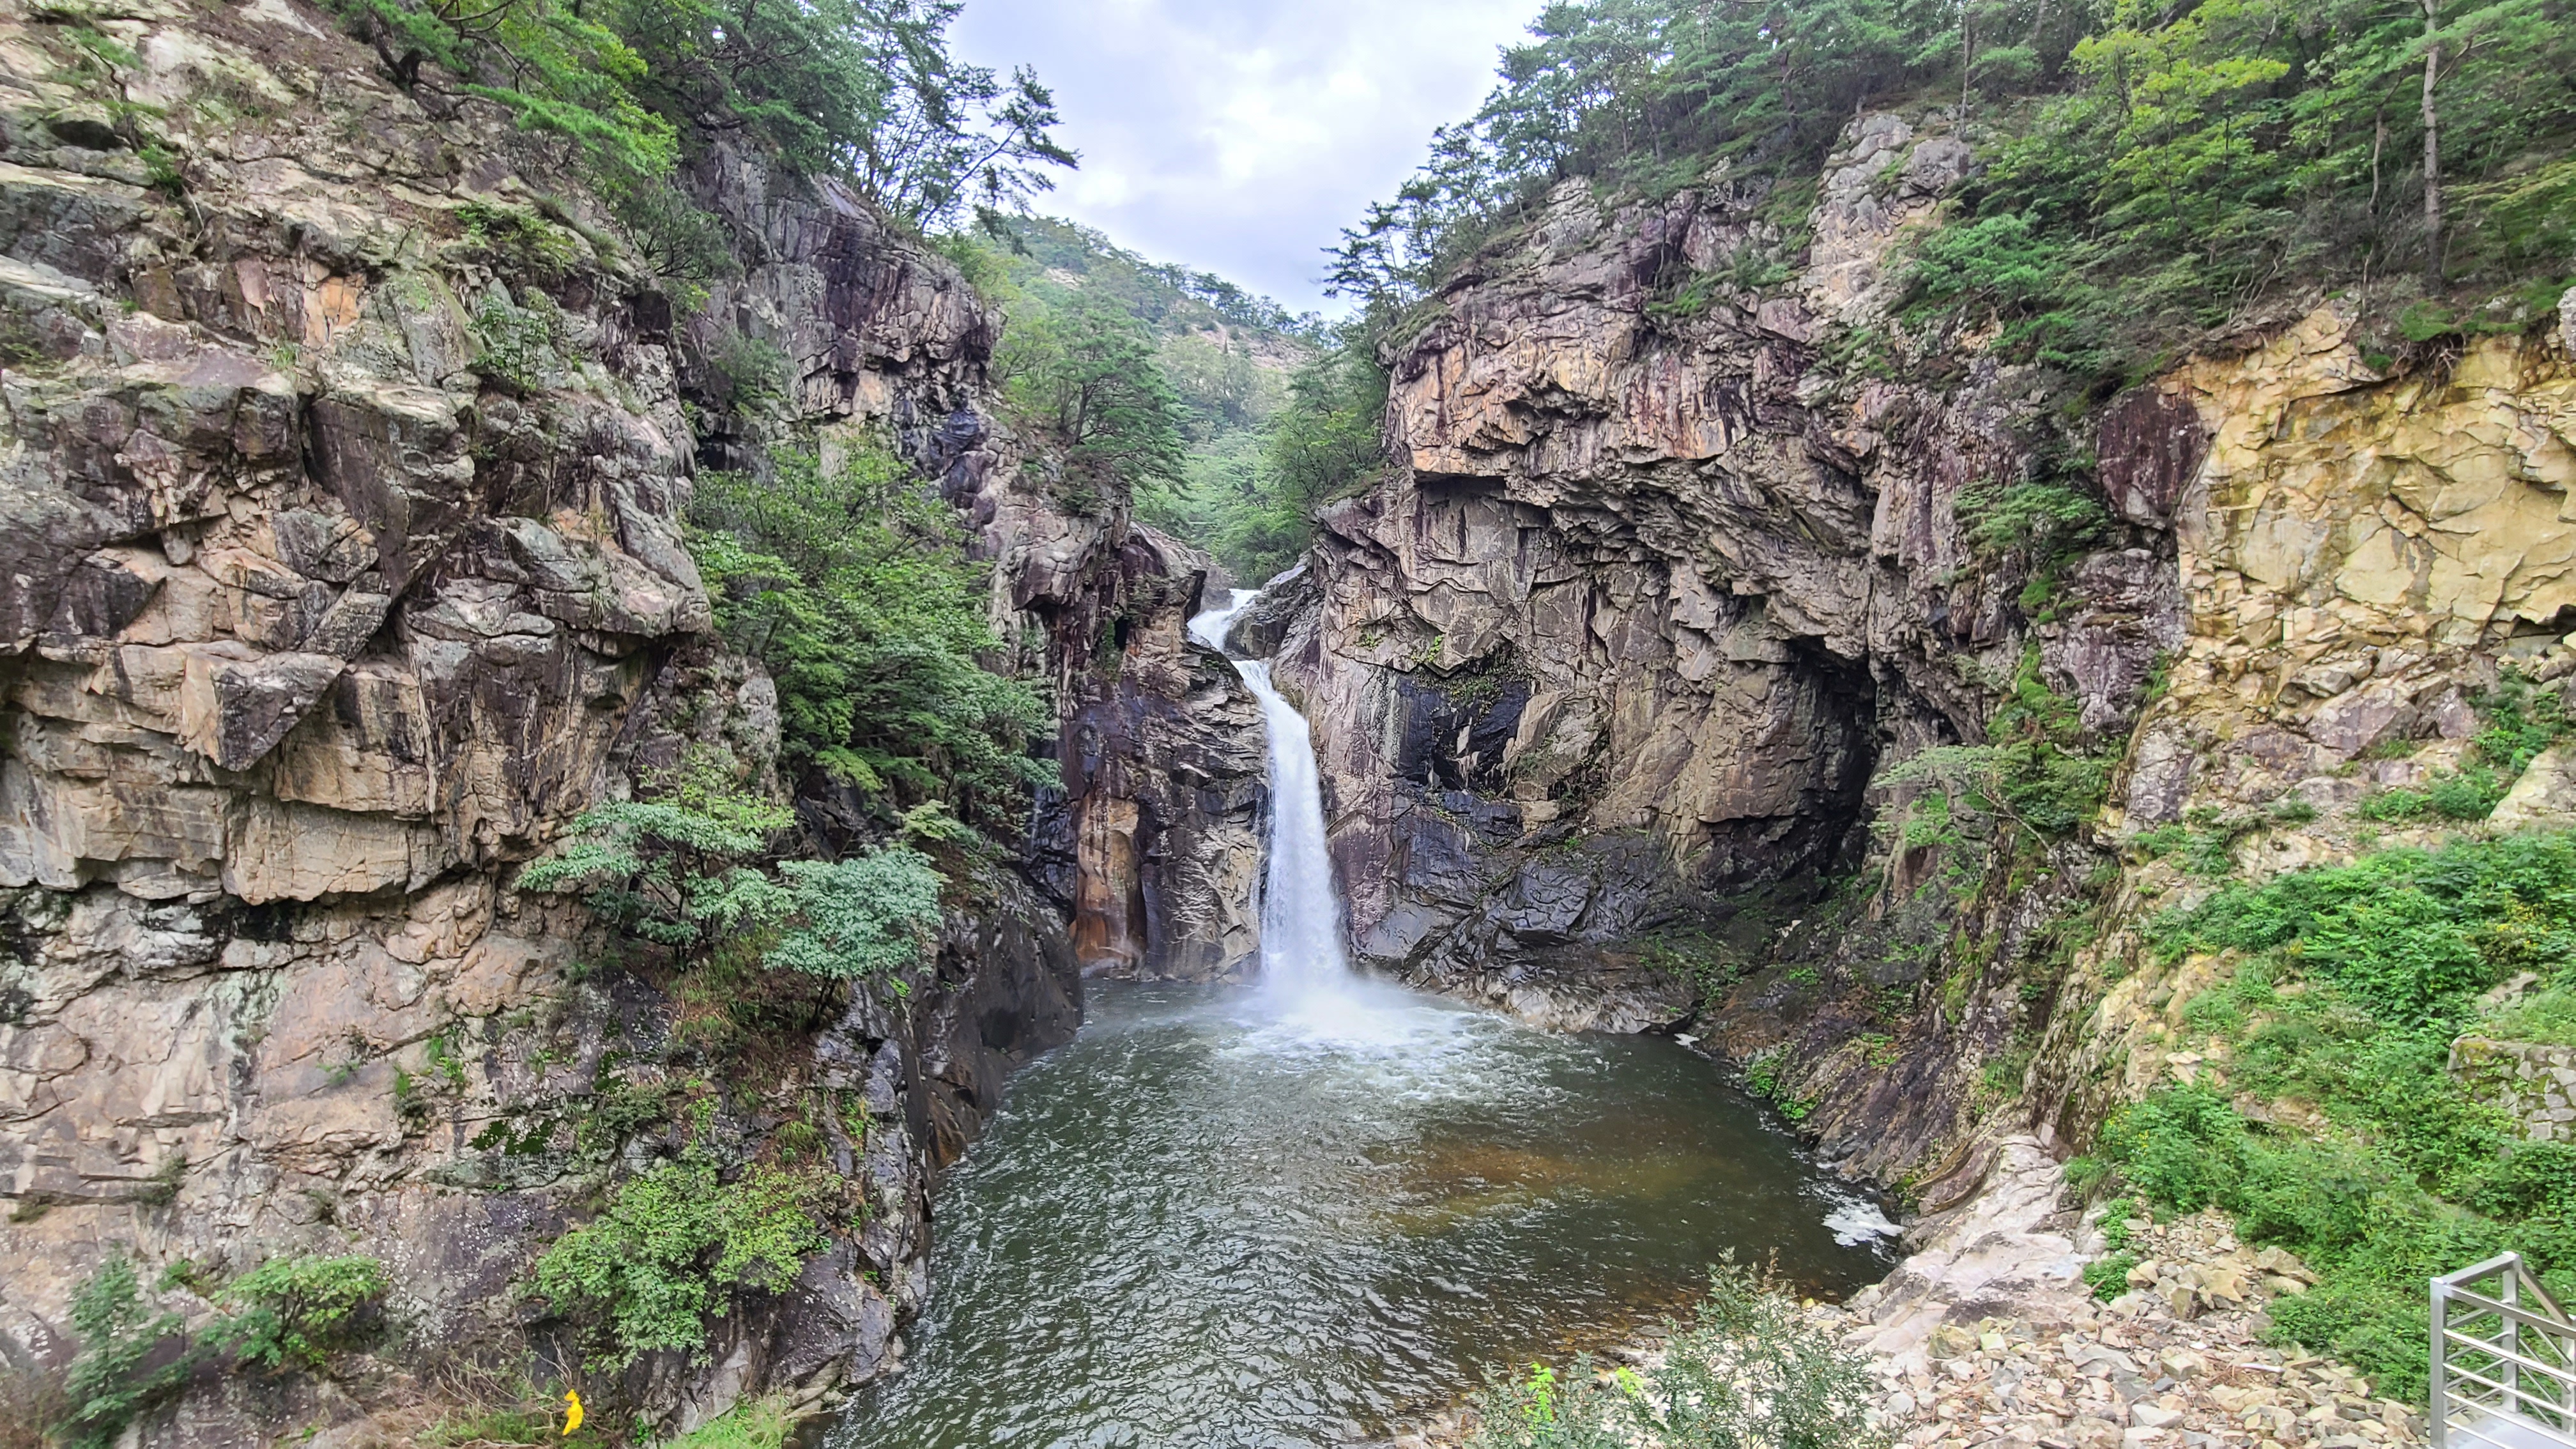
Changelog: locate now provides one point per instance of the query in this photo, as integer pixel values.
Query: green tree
(293, 1312)
(688, 873)
(1085, 375)
(853, 587)
(113, 1378)
(864, 90)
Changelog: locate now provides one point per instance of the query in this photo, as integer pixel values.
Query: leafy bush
(678, 873)
(854, 588)
(294, 1312)
(2356, 980)
(2109, 1277)
(675, 1246)
(113, 1378)
(2046, 521)
(2036, 771)
(2406, 932)
(516, 346)
(861, 916)
(1751, 1370)
(670, 871)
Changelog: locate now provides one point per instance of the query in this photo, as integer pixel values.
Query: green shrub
(293, 1313)
(2053, 778)
(2109, 1277)
(2405, 932)
(1751, 1370)
(762, 1423)
(675, 1246)
(2037, 770)
(745, 374)
(854, 589)
(110, 1380)
(2044, 522)
(2357, 979)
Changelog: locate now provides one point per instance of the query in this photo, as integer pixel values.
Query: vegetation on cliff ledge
(674, 1245)
(863, 90)
(2325, 1117)
(852, 586)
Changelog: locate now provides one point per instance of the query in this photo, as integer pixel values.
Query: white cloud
(1239, 136)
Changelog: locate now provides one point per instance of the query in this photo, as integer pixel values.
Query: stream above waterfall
(1304, 1211)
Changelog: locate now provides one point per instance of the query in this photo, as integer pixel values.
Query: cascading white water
(1298, 1215)
(1305, 974)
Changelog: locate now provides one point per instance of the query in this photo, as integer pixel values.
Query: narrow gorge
(575, 731)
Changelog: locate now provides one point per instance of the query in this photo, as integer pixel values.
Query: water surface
(1209, 1222)
(1297, 1213)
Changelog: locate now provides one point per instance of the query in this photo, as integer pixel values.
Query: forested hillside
(1225, 415)
(2153, 173)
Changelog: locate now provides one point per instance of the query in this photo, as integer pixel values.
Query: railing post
(2512, 1335)
(2440, 1390)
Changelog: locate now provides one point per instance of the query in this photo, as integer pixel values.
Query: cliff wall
(341, 566)
(1625, 673)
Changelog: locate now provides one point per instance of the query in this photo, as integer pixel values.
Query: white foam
(1854, 1219)
(1308, 990)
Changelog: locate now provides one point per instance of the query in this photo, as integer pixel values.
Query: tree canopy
(2155, 167)
(864, 90)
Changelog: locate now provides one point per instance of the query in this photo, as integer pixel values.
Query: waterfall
(1304, 971)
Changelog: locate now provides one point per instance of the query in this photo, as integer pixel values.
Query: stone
(235, 703)
(2150, 454)
(45, 534)
(2544, 795)
(310, 637)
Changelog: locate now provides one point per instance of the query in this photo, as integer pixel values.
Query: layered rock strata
(1603, 669)
(341, 566)
(1619, 671)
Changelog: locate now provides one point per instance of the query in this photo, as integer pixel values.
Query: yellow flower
(572, 1411)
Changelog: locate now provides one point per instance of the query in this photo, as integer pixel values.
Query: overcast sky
(1238, 136)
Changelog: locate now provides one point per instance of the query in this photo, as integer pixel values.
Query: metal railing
(2504, 1361)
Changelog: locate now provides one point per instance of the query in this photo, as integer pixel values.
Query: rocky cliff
(1625, 673)
(341, 565)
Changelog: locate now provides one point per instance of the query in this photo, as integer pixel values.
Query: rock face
(2361, 554)
(340, 567)
(1652, 590)
(1630, 652)
(2529, 1080)
(1164, 759)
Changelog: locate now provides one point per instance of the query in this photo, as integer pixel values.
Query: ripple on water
(1206, 1224)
